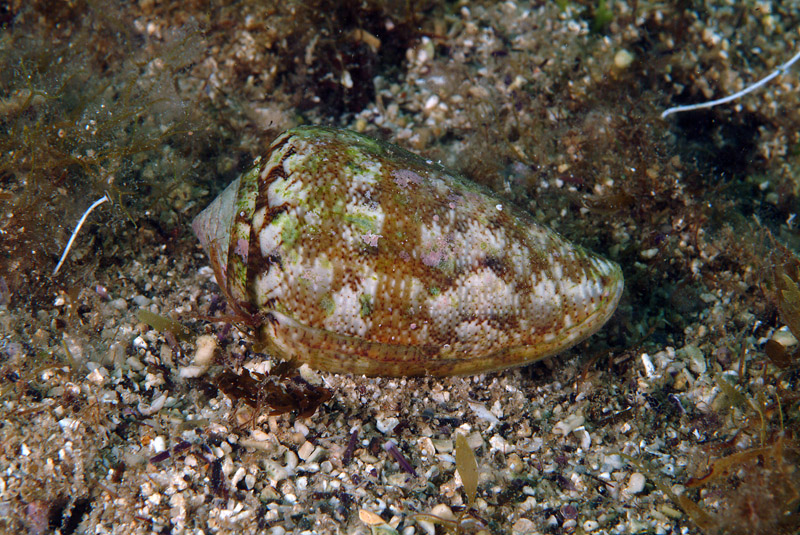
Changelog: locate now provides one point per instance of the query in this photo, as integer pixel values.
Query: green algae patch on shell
(356, 256)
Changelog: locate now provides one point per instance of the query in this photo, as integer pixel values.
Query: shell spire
(364, 258)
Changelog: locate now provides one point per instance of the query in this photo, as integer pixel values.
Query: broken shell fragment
(356, 256)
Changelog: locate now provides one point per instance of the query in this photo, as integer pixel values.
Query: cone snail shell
(356, 256)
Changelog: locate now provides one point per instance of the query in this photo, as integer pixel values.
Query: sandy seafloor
(556, 106)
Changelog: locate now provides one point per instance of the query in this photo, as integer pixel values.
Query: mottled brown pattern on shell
(324, 242)
(392, 315)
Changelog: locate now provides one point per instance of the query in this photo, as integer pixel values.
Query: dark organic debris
(279, 394)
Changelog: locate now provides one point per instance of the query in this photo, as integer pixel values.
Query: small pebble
(432, 102)
(648, 254)
(590, 525)
(523, 526)
(635, 483)
(443, 511)
(568, 424)
(317, 455)
(386, 425)
(623, 59)
(515, 464)
(119, 304)
(305, 450)
(784, 337)
(695, 358)
(442, 445)
(238, 476)
(158, 444)
(425, 447)
(301, 428)
(96, 377)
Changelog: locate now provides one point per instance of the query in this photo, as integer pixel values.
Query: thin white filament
(749, 89)
(94, 205)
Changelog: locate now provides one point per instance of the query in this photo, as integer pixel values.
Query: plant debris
(279, 394)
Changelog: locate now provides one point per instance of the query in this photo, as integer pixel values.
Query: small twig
(351, 447)
(94, 205)
(749, 89)
(391, 449)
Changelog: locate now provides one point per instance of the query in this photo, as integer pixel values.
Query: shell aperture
(360, 257)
